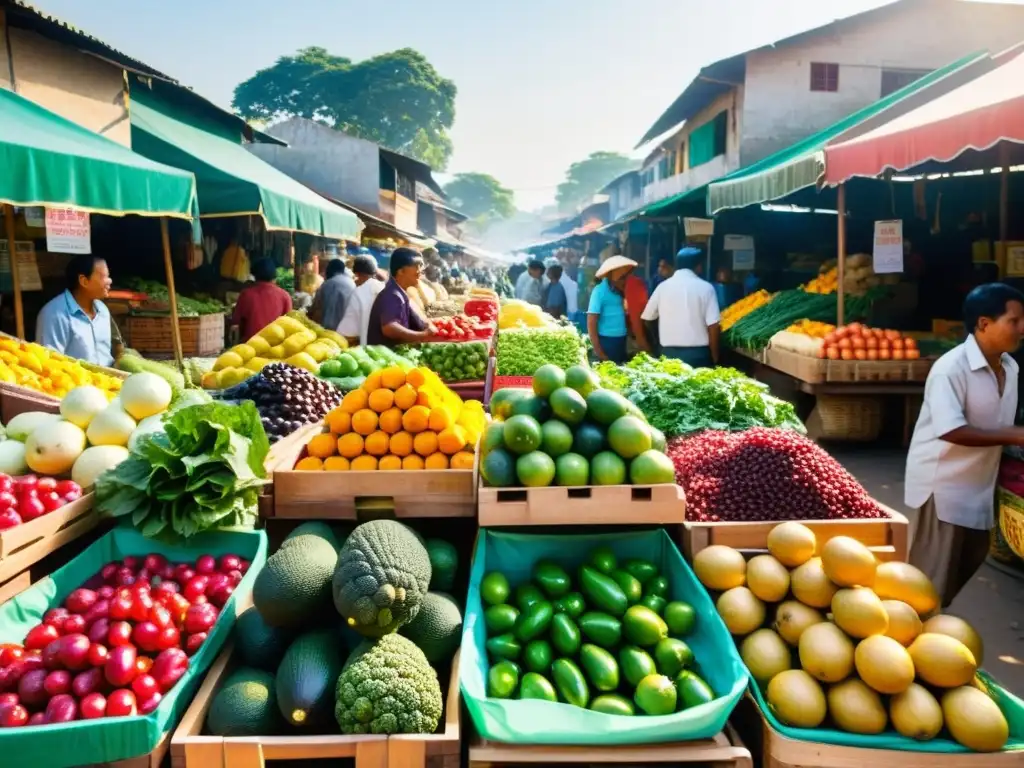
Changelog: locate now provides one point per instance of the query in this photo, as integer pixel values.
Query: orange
(381, 399)
(309, 464)
(425, 443)
(354, 401)
(401, 444)
(322, 446)
(440, 418)
(377, 443)
(364, 422)
(391, 419)
(416, 377)
(389, 463)
(452, 440)
(339, 421)
(364, 463)
(462, 460)
(436, 461)
(372, 382)
(392, 377)
(416, 419)
(350, 445)
(425, 399)
(405, 397)
(412, 462)
(336, 464)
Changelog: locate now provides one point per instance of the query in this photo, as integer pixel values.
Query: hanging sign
(887, 255)
(35, 216)
(742, 249)
(68, 231)
(28, 269)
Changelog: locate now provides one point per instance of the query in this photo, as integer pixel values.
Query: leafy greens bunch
(521, 351)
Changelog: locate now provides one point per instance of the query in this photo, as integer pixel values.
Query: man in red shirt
(636, 299)
(260, 303)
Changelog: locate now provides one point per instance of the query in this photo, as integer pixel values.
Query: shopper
(260, 303)
(970, 401)
(555, 301)
(529, 286)
(77, 323)
(572, 294)
(687, 312)
(393, 320)
(606, 315)
(333, 296)
(666, 268)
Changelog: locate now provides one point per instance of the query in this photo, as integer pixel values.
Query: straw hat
(612, 263)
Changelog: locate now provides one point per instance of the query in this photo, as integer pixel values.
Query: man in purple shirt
(393, 320)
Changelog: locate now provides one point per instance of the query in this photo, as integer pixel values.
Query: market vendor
(369, 282)
(687, 312)
(606, 314)
(529, 286)
(77, 323)
(333, 295)
(970, 401)
(261, 302)
(393, 320)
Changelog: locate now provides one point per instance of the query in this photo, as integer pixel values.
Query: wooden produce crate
(589, 505)
(201, 336)
(15, 400)
(436, 750)
(340, 495)
(803, 367)
(725, 750)
(888, 538)
(154, 759)
(850, 371)
(190, 748)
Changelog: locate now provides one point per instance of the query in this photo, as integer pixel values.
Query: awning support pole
(1004, 196)
(841, 260)
(169, 268)
(19, 311)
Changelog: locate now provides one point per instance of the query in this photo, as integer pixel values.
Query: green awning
(231, 181)
(802, 164)
(689, 196)
(48, 160)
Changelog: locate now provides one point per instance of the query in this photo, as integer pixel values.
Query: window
(824, 77)
(708, 141)
(721, 132)
(406, 187)
(895, 79)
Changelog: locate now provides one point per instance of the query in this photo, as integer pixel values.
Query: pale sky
(542, 83)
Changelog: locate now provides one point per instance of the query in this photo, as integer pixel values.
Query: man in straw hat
(606, 315)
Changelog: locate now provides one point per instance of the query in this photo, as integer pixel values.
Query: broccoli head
(388, 686)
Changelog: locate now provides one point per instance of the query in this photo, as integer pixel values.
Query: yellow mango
(228, 360)
(274, 333)
(318, 351)
(256, 364)
(277, 352)
(336, 338)
(258, 345)
(303, 361)
(244, 351)
(290, 325)
(210, 380)
(298, 342)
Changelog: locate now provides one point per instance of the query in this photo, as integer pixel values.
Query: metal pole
(1004, 198)
(169, 268)
(19, 311)
(841, 261)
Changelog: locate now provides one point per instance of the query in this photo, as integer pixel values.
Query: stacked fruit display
(397, 420)
(40, 368)
(606, 641)
(484, 309)
(466, 361)
(118, 644)
(841, 635)
(349, 370)
(859, 342)
(461, 328)
(570, 431)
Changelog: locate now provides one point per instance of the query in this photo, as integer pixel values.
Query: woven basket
(1010, 528)
(849, 417)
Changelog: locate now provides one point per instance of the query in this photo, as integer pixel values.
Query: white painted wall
(779, 107)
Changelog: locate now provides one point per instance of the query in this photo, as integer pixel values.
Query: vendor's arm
(397, 332)
(391, 324)
(946, 395)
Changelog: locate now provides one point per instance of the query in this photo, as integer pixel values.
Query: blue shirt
(555, 298)
(63, 325)
(610, 310)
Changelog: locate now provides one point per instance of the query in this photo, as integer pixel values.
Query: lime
(656, 695)
(572, 469)
(330, 369)
(493, 437)
(651, 468)
(583, 379)
(629, 436)
(535, 469)
(680, 618)
(589, 440)
(658, 441)
(556, 438)
(349, 365)
(607, 468)
(605, 406)
(494, 589)
(498, 468)
(503, 400)
(531, 405)
(522, 434)
(568, 405)
(547, 379)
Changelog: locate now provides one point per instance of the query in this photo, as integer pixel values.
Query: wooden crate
(888, 538)
(28, 543)
(849, 371)
(725, 750)
(591, 505)
(437, 750)
(15, 400)
(340, 495)
(803, 367)
(201, 336)
(190, 748)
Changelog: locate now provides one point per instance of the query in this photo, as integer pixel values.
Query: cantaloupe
(847, 562)
(826, 653)
(856, 708)
(53, 448)
(791, 543)
(720, 568)
(884, 664)
(81, 405)
(767, 578)
(811, 586)
(942, 661)
(859, 612)
(916, 714)
(902, 581)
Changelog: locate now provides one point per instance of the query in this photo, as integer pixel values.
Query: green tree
(480, 195)
(585, 178)
(396, 99)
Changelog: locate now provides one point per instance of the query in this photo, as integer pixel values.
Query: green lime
(535, 469)
(568, 405)
(656, 695)
(499, 468)
(629, 436)
(493, 437)
(547, 379)
(572, 469)
(605, 406)
(680, 618)
(651, 468)
(583, 379)
(494, 589)
(556, 438)
(589, 439)
(658, 441)
(522, 434)
(349, 365)
(607, 469)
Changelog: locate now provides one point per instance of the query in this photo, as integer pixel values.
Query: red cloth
(258, 306)
(636, 301)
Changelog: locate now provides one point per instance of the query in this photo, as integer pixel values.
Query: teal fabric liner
(108, 739)
(541, 722)
(1013, 709)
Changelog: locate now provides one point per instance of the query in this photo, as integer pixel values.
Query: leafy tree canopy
(396, 99)
(585, 178)
(480, 195)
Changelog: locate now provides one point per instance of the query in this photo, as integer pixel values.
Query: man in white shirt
(970, 401)
(530, 285)
(572, 292)
(686, 309)
(356, 321)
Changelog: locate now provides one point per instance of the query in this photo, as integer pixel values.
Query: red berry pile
(23, 499)
(484, 310)
(765, 474)
(118, 644)
(461, 328)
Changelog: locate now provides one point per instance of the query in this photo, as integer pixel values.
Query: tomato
(120, 634)
(121, 703)
(144, 686)
(93, 706)
(121, 606)
(98, 655)
(40, 636)
(9, 653)
(6, 483)
(142, 604)
(30, 507)
(8, 500)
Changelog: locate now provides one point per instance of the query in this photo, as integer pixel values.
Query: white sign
(738, 243)
(67, 231)
(887, 255)
(35, 216)
(742, 261)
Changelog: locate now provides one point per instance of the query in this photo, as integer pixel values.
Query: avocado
(437, 628)
(307, 678)
(246, 705)
(444, 562)
(259, 645)
(295, 583)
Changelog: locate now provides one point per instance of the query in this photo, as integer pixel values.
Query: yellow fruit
(904, 623)
(273, 334)
(296, 343)
(942, 660)
(354, 401)
(244, 351)
(228, 360)
(257, 364)
(364, 422)
(392, 378)
(322, 446)
(336, 464)
(916, 714)
(258, 345)
(902, 581)
(767, 578)
(339, 421)
(303, 361)
(229, 377)
(405, 397)
(82, 405)
(811, 586)
(364, 463)
(416, 419)
(277, 352)
(847, 562)
(319, 352)
(372, 382)
(720, 568)
(826, 653)
(741, 611)
(401, 444)
(391, 419)
(452, 440)
(957, 628)
(436, 461)
(792, 544)
(381, 399)
(210, 380)
(376, 444)
(417, 377)
(462, 460)
(796, 699)
(440, 419)
(389, 463)
(859, 612)
(974, 720)
(350, 445)
(290, 324)
(792, 618)
(765, 654)
(425, 443)
(309, 464)
(412, 462)
(856, 708)
(884, 664)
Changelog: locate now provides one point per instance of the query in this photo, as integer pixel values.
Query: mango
(277, 352)
(303, 361)
(290, 325)
(228, 360)
(259, 345)
(274, 333)
(244, 351)
(256, 364)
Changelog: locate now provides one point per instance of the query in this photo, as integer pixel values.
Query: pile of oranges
(390, 423)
